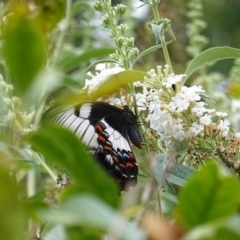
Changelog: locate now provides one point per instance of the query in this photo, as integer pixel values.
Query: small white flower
(101, 67)
(205, 120)
(221, 114)
(198, 109)
(237, 134)
(179, 103)
(191, 93)
(138, 84)
(172, 80)
(224, 126)
(114, 100)
(210, 111)
(177, 129)
(141, 101)
(154, 105)
(196, 128)
(165, 118)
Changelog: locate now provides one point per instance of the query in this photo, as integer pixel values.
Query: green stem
(39, 109)
(165, 53)
(158, 199)
(48, 169)
(31, 183)
(155, 11)
(162, 38)
(60, 41)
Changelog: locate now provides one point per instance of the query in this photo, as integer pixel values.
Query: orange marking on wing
(108, 148)
(131, 155)
(99, 127)
(101, 138)
(128, 164)
(115, 158)
(122, 165)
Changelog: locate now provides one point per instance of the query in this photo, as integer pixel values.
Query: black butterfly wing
(104, 129)
(115, 152)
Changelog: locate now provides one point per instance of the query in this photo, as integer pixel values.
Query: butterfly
(107, 131)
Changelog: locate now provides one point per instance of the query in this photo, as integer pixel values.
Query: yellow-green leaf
(116, 81)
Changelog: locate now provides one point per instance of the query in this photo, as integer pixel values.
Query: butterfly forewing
(105, 130)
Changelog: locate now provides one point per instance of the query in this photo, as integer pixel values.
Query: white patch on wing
(90, 132)
(117, 140)
(120, 143)
(76, 124)
(93, 143)
(82, 128)
(69, 120)
(85, 110)
(117, 135)
(109, 159)
(124, 144)
(60, 118)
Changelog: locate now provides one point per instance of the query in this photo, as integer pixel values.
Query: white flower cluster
(177, 112)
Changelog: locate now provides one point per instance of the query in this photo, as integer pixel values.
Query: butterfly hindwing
(116, 154)
(105, 130)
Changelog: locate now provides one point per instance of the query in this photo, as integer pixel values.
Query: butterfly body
(107, 132)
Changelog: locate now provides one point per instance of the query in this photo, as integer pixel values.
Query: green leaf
(210, 194)
(158, 31)
(181, 146)
(224, 228)
(116, 81)
(62, 147)
(179, 175)
(209, 56)
(24, 47)
(160, 169)
(91, 212)
(171, 173)
(71, 60)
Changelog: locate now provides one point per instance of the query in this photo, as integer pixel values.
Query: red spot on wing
(122, 165)
(131, 156)
(115, 158)
(129, 164)
(102, 139)
(108, 148)
(99, 128)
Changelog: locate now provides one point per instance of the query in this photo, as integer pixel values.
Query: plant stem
(155, 11)
(165, 53)
(162, 38)
(60, 40)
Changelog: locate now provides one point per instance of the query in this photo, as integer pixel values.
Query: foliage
(50, 186)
